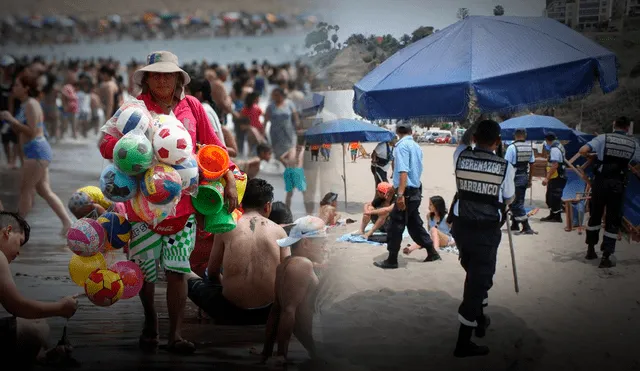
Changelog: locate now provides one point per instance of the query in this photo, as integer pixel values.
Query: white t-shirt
(381, 153)
(84, 104)
(214, 120)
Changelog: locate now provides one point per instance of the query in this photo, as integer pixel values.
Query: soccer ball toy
(133, 154)
(133, 118)
(117, 228)
(104, 287)
(86, 237)
(161, 184)
(188, 170)
(116, 185)
(172, 142)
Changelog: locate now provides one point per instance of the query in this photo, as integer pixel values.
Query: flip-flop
(182, 347)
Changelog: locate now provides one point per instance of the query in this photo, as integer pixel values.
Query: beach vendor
(162, 82)
(614, 151)
(485, 185)
(407, 171)
(24, 335)
(520, 155)
(555, 179)
(377, 211)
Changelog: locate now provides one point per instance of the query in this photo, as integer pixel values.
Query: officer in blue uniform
(407, 171)
(555, 179)
(614, 151)
(485, 184)
(520, 155)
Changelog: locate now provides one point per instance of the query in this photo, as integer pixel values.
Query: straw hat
(161, 62)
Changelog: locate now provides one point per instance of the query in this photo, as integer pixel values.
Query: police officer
(407, 170)
(614, 153)
(485, 184)
(555, 179)
(520, 155)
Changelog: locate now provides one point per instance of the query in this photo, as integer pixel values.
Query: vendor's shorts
(8, 337)
(148, 249)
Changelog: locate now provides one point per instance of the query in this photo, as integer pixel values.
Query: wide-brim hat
(161, 62)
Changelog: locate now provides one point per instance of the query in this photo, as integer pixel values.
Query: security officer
(520, 155)
(555, 179)
(407, 170)
(485, 184)
(614, 153)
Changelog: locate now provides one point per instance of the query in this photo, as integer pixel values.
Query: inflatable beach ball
(81, 266)
(188, 170)
(117, 229)
(132, 277)
(104, 287)
(86, 237)
(172, 142)
(134, 118)
(133, 154)
(116, 185)
(148, 212)
(161, 184)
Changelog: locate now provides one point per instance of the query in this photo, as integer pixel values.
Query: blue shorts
(38, 149)
(294, 178)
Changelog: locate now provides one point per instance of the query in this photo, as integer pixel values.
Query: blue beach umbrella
(508, 63)
(537, 127)
(346, 131)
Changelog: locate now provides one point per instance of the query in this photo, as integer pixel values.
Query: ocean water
(274, 48)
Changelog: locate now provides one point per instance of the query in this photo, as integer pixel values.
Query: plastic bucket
(241, 183)
(221, 222)
(210, 198)
(213, 161)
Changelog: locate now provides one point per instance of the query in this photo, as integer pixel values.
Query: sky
(398, 17)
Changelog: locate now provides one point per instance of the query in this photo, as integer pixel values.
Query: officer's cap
(404, 125)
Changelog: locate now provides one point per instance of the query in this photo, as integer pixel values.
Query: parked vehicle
(431, 135)
(443, 139)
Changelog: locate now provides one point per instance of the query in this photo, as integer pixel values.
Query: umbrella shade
(311, 104)
(346, 131)
(510, 63)
(537, 127)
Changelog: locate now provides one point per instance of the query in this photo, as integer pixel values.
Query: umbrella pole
(344, 175)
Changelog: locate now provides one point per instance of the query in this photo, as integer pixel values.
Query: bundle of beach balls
(91, 241)
(153, 162)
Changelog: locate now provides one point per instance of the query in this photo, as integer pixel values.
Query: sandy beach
(569, 315)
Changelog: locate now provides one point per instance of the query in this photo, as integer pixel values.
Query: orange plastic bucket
(213, 161)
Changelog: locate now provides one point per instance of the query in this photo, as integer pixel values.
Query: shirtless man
(221, 96)
(296, 287)
(108, 91)
(238, 287)
(23, 337)
(252, 166)
(294, 172)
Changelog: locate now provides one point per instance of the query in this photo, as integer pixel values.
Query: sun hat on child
(305, 227)
(161, 62)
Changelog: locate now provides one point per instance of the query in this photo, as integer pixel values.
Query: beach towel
(354, 238)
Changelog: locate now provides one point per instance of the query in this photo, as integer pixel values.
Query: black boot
(432, 254)
(607, 261)
(483, 323)
(591, 253)
(390, 263)
(547, 218)
(515, 226)
(465, 347)
(526, 228)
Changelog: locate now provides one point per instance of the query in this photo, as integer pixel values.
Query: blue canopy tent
(508, 63)
(346, 131)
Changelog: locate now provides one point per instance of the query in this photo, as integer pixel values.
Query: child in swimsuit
(294, 173)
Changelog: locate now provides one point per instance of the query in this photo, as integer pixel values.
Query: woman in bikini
(29, 123)
(328, 207)
(438, 227)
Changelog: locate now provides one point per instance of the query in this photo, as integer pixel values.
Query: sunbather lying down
(439, 230)
(378, 210)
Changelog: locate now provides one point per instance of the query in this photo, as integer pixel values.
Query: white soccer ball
(133, 118)
(188, 171)
(171, 141)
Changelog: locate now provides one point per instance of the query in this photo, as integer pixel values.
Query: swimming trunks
(207, 295)
(8, 337)
(294, 178)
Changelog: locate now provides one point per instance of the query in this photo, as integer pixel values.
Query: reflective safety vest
(479, 177)
(523, 156)
(619, 149)
(561, 166)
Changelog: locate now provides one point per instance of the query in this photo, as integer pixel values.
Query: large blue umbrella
(508, 63)
(346, 131)
(537, 127)
(311, 104)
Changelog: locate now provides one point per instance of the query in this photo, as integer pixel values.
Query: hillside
(341, 69)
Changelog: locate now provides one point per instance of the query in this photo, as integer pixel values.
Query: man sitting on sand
(252, 166)
(296, 287)
(238, 287)
(378, 210)
(23, 337)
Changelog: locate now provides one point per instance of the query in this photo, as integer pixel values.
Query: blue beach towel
(353, 238)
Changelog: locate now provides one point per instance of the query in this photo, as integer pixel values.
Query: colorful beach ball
(81, 266)
(133, 154)
(133, 118)
(116, 185)
(148, 212)
(188, 170)
(104, 287)
(117, 229)
(172, 142)
(161, 184)
(86, 237)
(132, 277)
